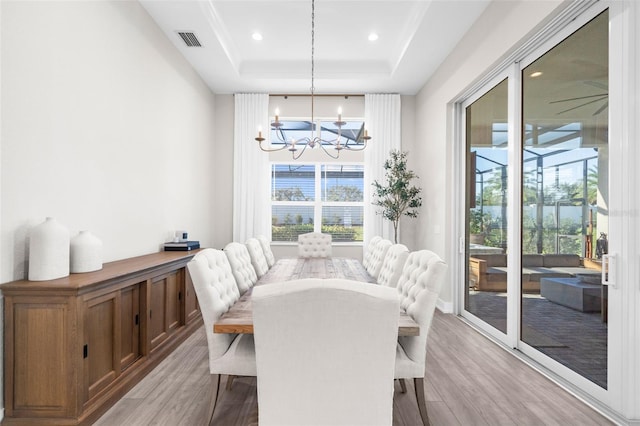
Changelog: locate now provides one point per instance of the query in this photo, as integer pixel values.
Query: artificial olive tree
(397, 197)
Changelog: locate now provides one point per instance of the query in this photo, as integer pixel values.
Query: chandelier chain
(313, 44)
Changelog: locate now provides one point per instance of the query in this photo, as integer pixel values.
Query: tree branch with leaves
(397, 197)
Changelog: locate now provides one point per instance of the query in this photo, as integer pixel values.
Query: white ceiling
(415, 36)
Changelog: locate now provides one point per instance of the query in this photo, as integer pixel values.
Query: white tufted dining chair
(377, 257)
(319, 366)
(314, 244)
(266, 248)
(392, 265)
(216, 291)
(418, 287)
(258, 259)
(240, 262)
(366, 256)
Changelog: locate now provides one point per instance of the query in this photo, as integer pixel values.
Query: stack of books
(181, 246)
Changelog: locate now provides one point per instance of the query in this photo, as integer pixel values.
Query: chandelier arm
(280, 135)
(326, 151)
(270, 149)
(351, 148)
(293, 151)
(345, 145)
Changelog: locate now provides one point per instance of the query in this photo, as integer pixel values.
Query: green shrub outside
(338, 233)
(289, 232)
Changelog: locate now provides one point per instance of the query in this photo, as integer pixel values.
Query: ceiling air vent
(189, 39)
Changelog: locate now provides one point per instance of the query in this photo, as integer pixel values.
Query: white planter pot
(48, 251)
(86, 253)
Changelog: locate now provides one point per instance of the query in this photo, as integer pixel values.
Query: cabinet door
(191, 307)
(130, 325)
(165, 312)
(102, 364)
(40, 366)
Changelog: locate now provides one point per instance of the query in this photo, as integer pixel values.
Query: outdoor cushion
(535, 274)
(555, 260)
(529, 260)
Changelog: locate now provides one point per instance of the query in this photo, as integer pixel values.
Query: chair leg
(420, 398)
(403, 386)
(215, 391)
(230, 381)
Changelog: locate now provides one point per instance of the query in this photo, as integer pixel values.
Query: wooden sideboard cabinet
(75, 345)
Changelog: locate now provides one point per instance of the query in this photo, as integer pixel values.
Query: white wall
(503, 26)
(104, 126)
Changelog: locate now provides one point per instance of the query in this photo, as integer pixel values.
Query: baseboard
(444, 307)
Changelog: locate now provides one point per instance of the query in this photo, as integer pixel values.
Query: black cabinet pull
(85, 351)
(137, 319)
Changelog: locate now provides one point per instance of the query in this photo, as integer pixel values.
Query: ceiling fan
(589, 99)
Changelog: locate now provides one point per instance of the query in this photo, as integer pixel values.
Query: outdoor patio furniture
(488, 272)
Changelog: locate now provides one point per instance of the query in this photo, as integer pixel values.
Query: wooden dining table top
(239, 318)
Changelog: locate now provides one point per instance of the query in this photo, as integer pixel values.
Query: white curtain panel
(251, 215)
(383, 120)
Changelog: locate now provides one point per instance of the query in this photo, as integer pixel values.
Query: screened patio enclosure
(560, 195)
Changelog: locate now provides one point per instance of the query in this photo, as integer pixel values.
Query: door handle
(609, 270)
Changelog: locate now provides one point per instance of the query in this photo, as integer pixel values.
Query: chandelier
(331, 147)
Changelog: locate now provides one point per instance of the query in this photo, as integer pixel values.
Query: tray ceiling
(414, 37)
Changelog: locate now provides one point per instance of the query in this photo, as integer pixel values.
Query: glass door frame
(507, 338)
(619, 394)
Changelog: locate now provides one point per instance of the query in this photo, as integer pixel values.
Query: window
(317, 198)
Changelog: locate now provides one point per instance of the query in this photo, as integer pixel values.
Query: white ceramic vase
(48, 251)
(86, 253)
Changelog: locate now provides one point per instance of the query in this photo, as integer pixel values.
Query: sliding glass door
(486, 207)
(565, 165)
(533, 249)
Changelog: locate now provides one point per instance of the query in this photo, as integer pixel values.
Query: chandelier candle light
(313, 141)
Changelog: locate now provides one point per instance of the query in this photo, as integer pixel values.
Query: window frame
(318, 203)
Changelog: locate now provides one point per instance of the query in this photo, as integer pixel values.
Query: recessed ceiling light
(536, 74)
(256, 36)
(373, 37)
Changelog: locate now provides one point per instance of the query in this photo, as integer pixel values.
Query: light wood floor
(469, 381)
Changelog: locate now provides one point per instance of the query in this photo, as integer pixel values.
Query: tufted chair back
(366, 256)
(392, 265)
(240, 262)
(377, 257)
(258, 260)
(266, 248)
(314, 244)
(336, 365)
(216, 291)
(419, 285)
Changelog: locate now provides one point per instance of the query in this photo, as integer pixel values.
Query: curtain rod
(345, 95)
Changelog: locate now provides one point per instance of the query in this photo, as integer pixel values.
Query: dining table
(239, 318)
